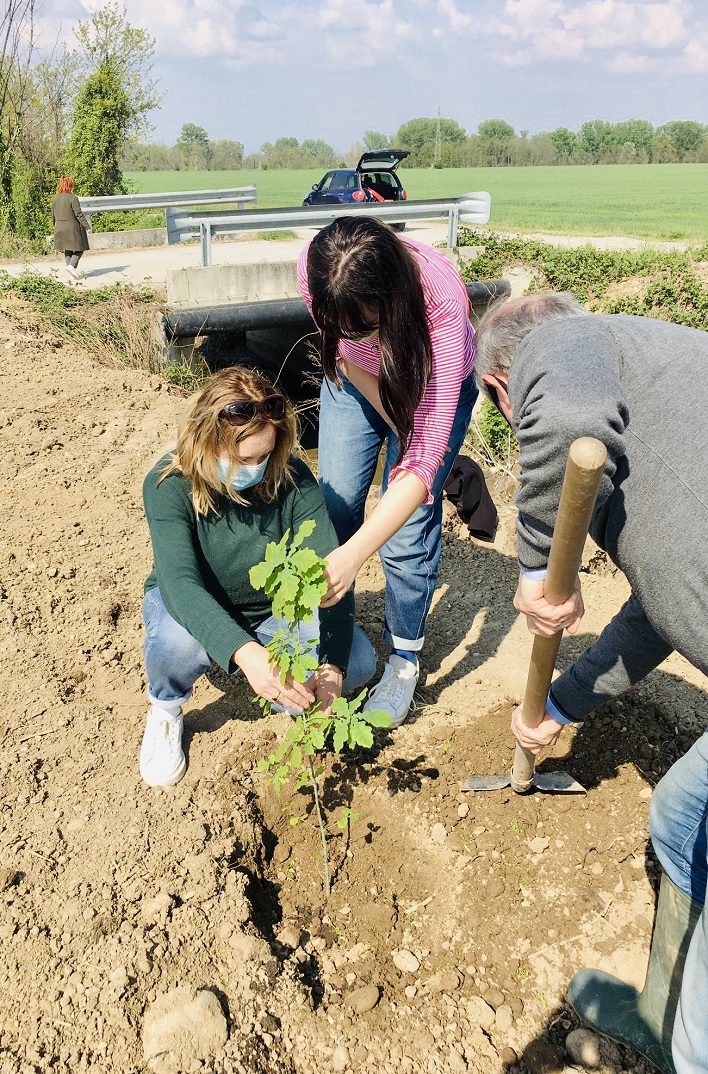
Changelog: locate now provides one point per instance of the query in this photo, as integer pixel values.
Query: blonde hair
(205, 437)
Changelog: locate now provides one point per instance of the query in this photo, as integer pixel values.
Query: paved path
(152, 264)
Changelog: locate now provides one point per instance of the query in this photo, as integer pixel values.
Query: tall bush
(101, 120)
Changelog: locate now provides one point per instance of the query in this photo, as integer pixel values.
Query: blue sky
(255, 71)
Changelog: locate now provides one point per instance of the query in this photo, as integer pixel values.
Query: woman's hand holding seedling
(265, 678)
(343, 565)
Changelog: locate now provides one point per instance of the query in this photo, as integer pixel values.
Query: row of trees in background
(69, 112)
(438, 142)
(82, 112)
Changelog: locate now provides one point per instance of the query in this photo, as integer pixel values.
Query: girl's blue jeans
(174, 660)
(351, 435)
(678, 824)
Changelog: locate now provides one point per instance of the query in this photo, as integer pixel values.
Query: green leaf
(361, 734)
(340, 706)
(317, 738)
(301, 666)
(312, 593)
(305, 559)
(296, 757)
(377, 718)
(280, 752)
(259, 575)
(307, 528)
(340, 737)
(284, 661)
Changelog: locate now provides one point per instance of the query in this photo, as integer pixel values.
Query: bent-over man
(640, 386)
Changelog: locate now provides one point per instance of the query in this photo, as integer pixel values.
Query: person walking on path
(232, 486)
(398, 354)
(639, 386)
(71, 226)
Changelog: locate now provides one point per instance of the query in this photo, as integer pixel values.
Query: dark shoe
(643, 1020)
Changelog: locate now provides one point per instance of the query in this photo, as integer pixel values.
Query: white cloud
(362, 34)
(695, 55)
(350, 33)
(623, 35)
(627, 63)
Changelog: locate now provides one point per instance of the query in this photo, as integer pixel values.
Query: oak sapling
(293, 577)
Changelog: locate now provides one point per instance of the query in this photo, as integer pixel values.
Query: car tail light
(403, 195)
(358, 195)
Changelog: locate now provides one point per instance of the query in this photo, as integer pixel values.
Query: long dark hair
(362, 276)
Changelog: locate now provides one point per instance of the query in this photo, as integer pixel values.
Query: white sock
(172, 708)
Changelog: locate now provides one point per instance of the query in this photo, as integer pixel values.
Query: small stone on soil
(504, 1019)
(480, 1013)
(583, 1047)
(363, 999)
(405, 961)
(340, 1058)
(289, 936)
(181, 1026)
(494, 997)
(445, 981)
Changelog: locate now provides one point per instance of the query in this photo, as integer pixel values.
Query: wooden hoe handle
(586, 460)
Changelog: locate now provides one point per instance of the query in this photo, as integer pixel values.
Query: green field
(661, 201)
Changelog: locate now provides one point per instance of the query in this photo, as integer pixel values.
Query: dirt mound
(455, 921)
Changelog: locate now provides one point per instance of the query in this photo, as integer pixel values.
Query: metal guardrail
(167, 199)
(467, 209)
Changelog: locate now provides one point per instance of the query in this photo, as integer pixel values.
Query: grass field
(661, 201)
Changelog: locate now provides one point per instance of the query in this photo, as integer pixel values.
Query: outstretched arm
(403, 496)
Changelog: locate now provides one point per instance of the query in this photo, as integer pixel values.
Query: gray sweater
(641, 387)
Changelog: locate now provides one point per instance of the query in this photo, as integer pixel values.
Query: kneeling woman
(232, 486)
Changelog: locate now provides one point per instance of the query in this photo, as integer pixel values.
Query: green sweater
(201, 564)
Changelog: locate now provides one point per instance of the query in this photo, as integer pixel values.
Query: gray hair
(507, 323)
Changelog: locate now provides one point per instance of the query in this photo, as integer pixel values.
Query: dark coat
(70, 224)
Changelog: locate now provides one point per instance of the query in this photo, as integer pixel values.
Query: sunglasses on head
(272, 408)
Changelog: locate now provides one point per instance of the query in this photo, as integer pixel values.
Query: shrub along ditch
(115, 323)
(669, 285)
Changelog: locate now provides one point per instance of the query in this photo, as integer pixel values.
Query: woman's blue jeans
(174, 660)
(678, 824)
(351, 435)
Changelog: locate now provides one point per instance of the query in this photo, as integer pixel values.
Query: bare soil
(112, 894)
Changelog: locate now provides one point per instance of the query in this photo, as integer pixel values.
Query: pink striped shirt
(452, 338)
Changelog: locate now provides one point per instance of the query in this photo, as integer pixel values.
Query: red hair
(66, 185)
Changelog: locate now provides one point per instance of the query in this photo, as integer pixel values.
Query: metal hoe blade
(548, 782)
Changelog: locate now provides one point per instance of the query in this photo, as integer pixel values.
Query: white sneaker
(162, 761)
(394, 694)
(73, 272)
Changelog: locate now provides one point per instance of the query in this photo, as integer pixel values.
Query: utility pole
(438, 144)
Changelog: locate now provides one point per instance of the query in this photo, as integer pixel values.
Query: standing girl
(71, 227)
(398, 354)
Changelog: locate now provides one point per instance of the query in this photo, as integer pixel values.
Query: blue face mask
(245, 477)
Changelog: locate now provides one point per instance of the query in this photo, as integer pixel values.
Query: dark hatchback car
(373, 180)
